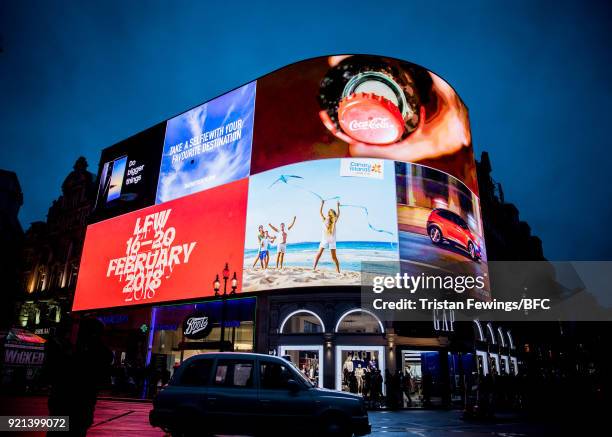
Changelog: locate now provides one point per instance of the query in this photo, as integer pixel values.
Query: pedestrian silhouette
(57, 370)
(76, 373)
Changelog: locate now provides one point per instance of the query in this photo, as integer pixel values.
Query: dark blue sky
(535, 75)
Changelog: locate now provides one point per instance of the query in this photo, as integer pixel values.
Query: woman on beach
(328, 237)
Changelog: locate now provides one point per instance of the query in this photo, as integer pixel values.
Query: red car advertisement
(166, 252)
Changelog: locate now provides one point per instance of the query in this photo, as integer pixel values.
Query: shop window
(234, 373)
(307, 359)
(359, 322)
(274, 376)
(197, 373)
(361, 370)
(302, 322)
(169, 343)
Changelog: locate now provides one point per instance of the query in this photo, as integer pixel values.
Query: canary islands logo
(362, 167)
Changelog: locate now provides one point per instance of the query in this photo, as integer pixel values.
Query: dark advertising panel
(128, 174)
(164, 252)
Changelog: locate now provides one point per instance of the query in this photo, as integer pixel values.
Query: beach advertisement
(314, 223)
(208, 146)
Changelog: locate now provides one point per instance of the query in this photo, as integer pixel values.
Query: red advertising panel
(165, 252)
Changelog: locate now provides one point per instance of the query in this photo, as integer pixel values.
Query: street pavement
(124, 418)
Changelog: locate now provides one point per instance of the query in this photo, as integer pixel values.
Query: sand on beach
(290, 277)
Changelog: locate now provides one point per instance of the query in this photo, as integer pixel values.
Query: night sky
(536, 77)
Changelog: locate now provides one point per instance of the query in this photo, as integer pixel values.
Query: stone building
(52, 252)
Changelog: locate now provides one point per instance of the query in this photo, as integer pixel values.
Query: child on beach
(260, 235)
(282, 246)
(264, 246)
(328, 236)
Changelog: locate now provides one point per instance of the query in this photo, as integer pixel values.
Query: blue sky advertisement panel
(208, 146)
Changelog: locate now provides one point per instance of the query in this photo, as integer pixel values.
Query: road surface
(121, 418)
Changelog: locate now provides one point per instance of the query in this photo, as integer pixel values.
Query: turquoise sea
(350, 254)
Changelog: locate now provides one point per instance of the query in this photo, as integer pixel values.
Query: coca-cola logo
(371, 124)
(196, 326)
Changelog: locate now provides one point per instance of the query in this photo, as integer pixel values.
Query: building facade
(52, 252)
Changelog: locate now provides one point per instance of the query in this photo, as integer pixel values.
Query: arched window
(481, 336)
(491, 334)
(74, 271)
(510, 339)
(359, 321)
(59, 276)
(41, 279)
(302, 322)
(502, 340)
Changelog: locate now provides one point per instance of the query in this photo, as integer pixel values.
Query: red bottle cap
(370, 118)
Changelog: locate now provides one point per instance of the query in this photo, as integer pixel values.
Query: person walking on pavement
(91, 366)
(407, 385)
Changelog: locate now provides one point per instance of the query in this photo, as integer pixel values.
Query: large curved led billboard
(295, 180)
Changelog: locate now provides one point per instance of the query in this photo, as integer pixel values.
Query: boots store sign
(197, 326)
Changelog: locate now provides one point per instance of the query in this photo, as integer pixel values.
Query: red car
(444, 225)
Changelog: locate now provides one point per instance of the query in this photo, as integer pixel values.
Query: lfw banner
(165, 252)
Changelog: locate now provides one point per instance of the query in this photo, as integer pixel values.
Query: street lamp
(234, 284)
(217, 287)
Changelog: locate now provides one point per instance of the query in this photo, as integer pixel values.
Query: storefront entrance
(308, 359)
(181, 331)
(423, 367)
